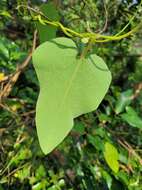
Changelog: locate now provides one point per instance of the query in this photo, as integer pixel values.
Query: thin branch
(8, 87)
(137, 91)
(106, 19)
(5, 107)
(130, 150)
(86, 49)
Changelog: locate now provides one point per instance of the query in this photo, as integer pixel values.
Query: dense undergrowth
(79, 162)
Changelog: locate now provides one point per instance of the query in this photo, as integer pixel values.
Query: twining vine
(95, 37)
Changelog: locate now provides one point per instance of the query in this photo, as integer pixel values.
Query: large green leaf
(47, 32)
(69, 87)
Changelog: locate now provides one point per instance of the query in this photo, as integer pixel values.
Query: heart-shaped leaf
(69, 87)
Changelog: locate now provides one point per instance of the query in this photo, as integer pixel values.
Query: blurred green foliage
(80, 162)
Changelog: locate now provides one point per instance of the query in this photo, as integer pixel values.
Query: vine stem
(86, 49)
(96, 37)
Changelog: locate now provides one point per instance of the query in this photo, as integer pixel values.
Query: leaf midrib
(69, 83)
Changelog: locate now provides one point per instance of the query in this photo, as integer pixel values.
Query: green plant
(62, 78)
(82, 161)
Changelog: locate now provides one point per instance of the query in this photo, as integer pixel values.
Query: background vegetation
(79, 162)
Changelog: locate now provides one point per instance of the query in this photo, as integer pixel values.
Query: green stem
(95, 37)
(86, 49)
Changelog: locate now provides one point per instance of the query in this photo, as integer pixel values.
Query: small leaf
(69, 87)
(96, 141)
(123, 101)
(124, 177)
(23, 174)
(5, 14)
(111, 156)
(40, 172)
(132, 118)
(107, 178)
(4, 52)
(47, 32)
